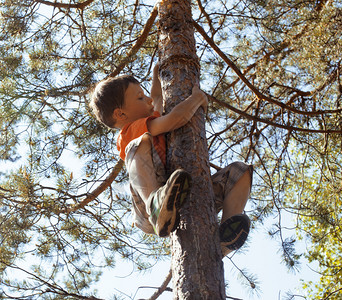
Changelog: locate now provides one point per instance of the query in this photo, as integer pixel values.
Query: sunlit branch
(80, 5)
(332, 293)
(135, 48)
(6, 190)
(111, 232)
(51, 288)
(206, 15)
(250, 85)
(92, 195)
(233, 298)
(217, 134)
(278, 113)
(141, 40)
(255, 118)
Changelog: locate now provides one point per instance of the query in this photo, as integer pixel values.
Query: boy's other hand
(156, 91)
(156, 69)
(200, 96)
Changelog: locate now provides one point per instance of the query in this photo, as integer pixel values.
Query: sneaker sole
(234, 232)
(170, 210)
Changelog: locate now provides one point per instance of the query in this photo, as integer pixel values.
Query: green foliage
(319, 201)
(54, 153)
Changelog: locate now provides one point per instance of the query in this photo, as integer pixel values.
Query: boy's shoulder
(138, 126)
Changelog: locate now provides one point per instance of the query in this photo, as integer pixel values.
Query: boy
(121, 103)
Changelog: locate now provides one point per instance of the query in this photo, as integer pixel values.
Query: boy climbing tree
(157, 198)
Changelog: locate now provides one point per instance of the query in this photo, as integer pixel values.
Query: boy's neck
(121, 124)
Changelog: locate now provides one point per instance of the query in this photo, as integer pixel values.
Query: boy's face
(137, 105)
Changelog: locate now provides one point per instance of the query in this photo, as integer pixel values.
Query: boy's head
(108, 95)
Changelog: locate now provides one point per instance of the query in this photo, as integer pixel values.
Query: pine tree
(272, 72)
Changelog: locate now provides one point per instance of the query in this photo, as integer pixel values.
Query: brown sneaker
(166, 202)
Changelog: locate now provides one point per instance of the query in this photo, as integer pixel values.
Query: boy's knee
(242, 168)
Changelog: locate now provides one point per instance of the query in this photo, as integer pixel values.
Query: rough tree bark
(197, 268)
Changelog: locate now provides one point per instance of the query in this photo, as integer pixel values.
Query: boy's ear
(119, 115)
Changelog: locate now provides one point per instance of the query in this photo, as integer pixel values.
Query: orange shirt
(137, 128)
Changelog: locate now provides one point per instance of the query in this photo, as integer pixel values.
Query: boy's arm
(156, 91)
(180, 114)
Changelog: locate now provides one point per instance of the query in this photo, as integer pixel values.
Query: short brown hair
(108, 95)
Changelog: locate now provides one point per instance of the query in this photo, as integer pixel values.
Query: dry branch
(80, 5)
(254, 118)
(163, 287)
(141, 40)
(103, 186)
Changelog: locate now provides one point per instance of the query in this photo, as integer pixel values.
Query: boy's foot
(166, 202)
(233, 233)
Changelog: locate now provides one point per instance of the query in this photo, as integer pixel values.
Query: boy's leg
(161, 202)
(138, 161)
(235, 201)
(232, 187)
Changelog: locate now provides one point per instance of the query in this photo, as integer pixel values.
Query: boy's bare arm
(156, 91)
(180, 114)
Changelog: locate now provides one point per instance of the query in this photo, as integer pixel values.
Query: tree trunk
(197, 267)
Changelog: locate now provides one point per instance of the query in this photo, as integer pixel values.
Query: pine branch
(255, 118)
(163, 287)
(51, 287)
(80, 5)
(254, 89)
(200, 6)
(135, 48)
(92, 195)
(141, 40)
(233, 298)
